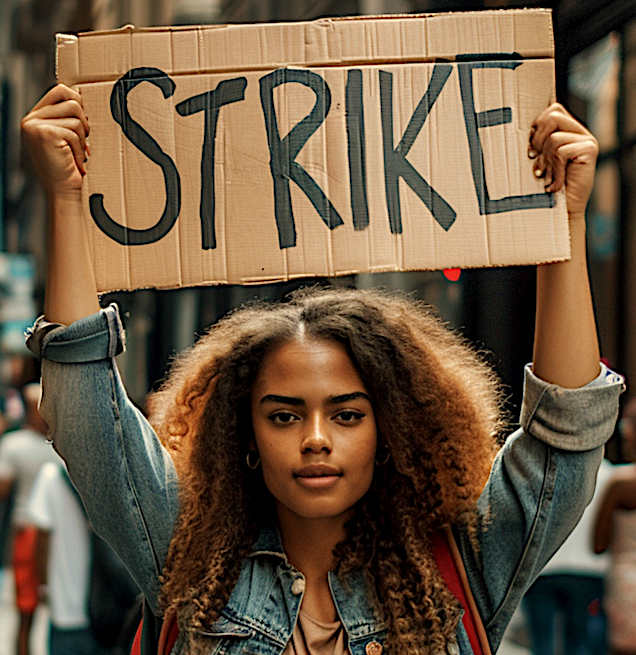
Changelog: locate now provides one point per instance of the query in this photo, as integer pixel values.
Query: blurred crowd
(584, 601)
(48, 550)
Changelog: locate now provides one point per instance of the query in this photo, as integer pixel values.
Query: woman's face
(315, 429)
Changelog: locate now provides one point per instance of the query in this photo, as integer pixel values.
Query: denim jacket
(541, 480)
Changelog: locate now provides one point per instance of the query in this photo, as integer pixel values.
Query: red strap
(168, 636)
(446, 564)
(136, 647)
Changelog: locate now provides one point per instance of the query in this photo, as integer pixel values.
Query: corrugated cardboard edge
(253, 282)
(68, 69)
(65, 52)
(333, 19)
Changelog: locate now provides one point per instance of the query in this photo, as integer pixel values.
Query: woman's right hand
(56, 132)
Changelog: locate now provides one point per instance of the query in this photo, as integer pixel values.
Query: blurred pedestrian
(616, 533)
(22, 454)
(6, 509)
(65, 544)
(563, 608)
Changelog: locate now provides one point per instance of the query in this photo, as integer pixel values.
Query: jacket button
(373, 648)
(298, 586)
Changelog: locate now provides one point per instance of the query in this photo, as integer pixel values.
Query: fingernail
(532, 153)
(538, 172)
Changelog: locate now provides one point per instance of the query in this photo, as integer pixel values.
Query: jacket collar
(351, 600)
(269, 541)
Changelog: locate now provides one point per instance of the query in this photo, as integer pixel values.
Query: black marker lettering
(357, 143)
(226, 92)
(477, 120)
(283, 152)
(144, 142)
(396, 165)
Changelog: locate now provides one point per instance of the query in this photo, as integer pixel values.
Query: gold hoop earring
(385, 455)
(253, 464)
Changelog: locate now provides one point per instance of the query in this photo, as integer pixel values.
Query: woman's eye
(349, 416)
(283, 418)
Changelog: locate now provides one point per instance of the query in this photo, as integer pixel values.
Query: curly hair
(437, 406)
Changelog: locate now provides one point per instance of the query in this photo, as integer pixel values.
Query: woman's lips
(317, 476)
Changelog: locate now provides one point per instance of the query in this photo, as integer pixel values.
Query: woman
(311, 452)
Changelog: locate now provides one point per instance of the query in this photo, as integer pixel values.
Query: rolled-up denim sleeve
(125, 477)
(540, 483)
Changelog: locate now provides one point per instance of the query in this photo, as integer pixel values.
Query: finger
(39, 133)
(62, 109)
(555, 125)
(562, 147)
(548, 175)
(554, 119)
(582, 151)
(576, 153)
(59, 93)
(558, 179)
(578, 146)
(77, 147)
(63, 138)
(73, 124)
(556, 114)
(539, 166)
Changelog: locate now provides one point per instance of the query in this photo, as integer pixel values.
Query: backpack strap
(136, 645)
(169, 634)
(154, 636)
(451, 566)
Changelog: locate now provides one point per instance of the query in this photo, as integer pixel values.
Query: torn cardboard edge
(272, 169)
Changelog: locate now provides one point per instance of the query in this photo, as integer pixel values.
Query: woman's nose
(317, 437)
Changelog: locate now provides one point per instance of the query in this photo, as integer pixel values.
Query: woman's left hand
(566, 350)
(565, 154)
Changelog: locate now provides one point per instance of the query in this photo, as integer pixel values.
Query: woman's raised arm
(56, 130)
(566, 350)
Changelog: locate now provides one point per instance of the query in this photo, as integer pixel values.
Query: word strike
(283, 151)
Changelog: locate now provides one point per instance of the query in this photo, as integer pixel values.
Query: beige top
(312, 637)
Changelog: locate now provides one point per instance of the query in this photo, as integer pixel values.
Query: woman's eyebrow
(345, 398)
(285, 400)
(332, 400)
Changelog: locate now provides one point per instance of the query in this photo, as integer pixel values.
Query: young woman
(313, 455)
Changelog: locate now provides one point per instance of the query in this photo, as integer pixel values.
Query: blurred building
(596, 75)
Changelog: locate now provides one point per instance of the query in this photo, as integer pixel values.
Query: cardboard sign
(255, 153)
